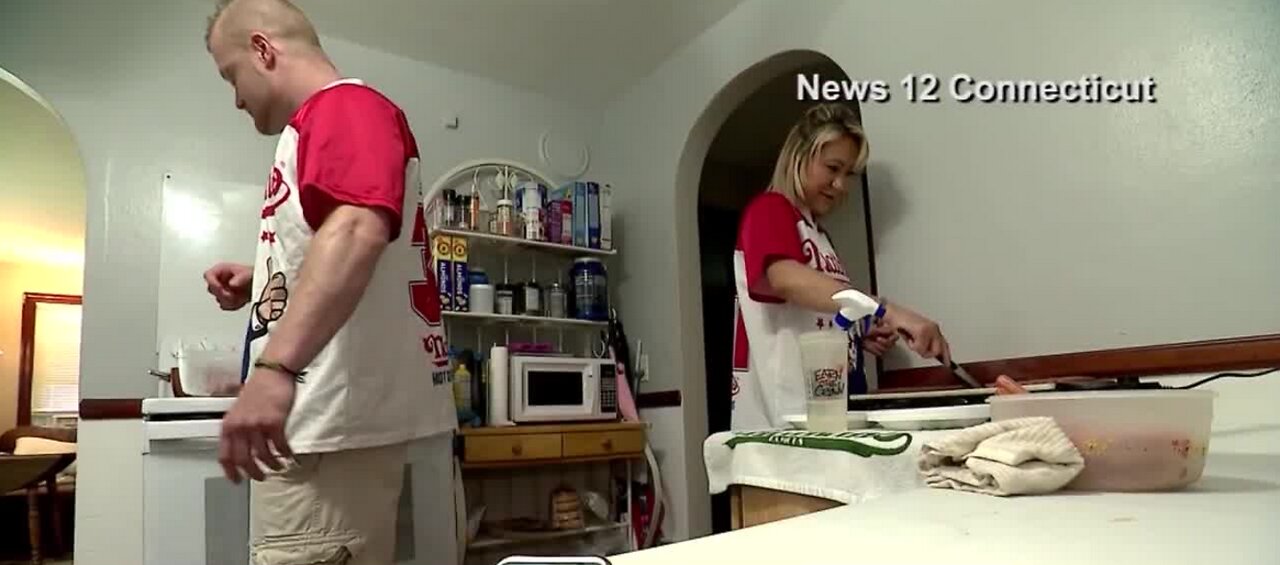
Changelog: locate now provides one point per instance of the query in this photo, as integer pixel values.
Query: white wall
(141, 96)
(1023, 230)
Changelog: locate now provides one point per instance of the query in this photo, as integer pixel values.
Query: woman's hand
(923, 335)
(879, 339)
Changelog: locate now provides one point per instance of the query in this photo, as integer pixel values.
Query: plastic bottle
(858, 312)
(462, 389)
(854, 306)
(506, 218)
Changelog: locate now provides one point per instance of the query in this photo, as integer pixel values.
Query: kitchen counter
(1229, 517)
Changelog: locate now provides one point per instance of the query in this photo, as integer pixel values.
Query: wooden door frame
(27, 355)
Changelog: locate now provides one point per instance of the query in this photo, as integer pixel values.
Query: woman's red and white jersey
(384, 377)
(767, 380)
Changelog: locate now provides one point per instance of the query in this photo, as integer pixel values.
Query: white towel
(849, 467)
(1009, 457)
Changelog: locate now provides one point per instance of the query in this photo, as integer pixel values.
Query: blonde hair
(819, 126)
(279, 19)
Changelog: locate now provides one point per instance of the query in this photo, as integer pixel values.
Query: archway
(728, 158)
(42, 217)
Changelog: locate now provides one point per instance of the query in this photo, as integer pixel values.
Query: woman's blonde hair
(819, 126)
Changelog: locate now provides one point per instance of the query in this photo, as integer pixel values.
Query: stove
(967, 396)
(188, 405)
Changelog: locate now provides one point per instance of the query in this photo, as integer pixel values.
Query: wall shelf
(499, 319)
(495, 240)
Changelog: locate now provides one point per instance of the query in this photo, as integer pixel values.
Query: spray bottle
(857, 313)
(855, 306)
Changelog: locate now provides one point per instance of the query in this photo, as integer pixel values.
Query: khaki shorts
(329, 508)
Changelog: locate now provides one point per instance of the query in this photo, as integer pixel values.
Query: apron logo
(276, 194)
(267, 309)
(824, 262)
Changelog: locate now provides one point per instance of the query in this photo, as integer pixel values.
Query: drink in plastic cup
(824, 360)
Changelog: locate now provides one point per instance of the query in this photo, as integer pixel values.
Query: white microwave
(562, 389)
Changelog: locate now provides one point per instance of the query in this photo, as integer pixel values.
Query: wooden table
(23, 474)
(752, 506)
(1227, 518)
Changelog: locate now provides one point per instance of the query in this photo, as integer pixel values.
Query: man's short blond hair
(279, 19)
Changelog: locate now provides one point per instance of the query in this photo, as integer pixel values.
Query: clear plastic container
(209, 372)
(1131, 440)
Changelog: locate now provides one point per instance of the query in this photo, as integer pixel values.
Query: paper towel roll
(499, 368)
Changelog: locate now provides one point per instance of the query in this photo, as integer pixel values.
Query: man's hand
(255, 424)
(230, 284)
(922, 335)
(879, 339)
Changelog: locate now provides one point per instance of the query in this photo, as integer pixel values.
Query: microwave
(562, 389)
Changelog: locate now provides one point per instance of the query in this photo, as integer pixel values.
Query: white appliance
(191, 512)
(561, 389)
(194, 516)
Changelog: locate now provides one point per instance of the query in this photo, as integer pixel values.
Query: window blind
(55, 376)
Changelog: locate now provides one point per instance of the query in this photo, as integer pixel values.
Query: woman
(786, 271)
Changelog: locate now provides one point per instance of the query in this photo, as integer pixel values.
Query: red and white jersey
(384, 377)
(767, 380)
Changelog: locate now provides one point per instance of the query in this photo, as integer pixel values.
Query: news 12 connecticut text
(963, 88)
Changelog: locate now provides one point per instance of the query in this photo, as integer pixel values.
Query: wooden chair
(26, 472)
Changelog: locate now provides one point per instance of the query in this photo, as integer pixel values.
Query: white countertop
(186, 405)
(1230, 517)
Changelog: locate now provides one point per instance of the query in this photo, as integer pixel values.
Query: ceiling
(585, 51)
(42, 193)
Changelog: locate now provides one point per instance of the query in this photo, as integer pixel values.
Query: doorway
(738, 165)
(42, 214)
(42, 217)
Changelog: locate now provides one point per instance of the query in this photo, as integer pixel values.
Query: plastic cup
(824, 360)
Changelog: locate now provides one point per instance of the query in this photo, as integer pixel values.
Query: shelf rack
(498, 319)
(495, 240)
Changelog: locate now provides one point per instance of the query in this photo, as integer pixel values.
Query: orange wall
(15, 279)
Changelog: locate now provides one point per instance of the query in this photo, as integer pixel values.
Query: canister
(557, 301)
(505, 222)
(505, 300)
(531, 202)
(590, 289)
(482, 296)
(532, 299)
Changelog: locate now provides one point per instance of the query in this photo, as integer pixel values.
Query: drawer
(592, 444)
(511, 448)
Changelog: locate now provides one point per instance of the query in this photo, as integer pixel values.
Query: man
(348, 354)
